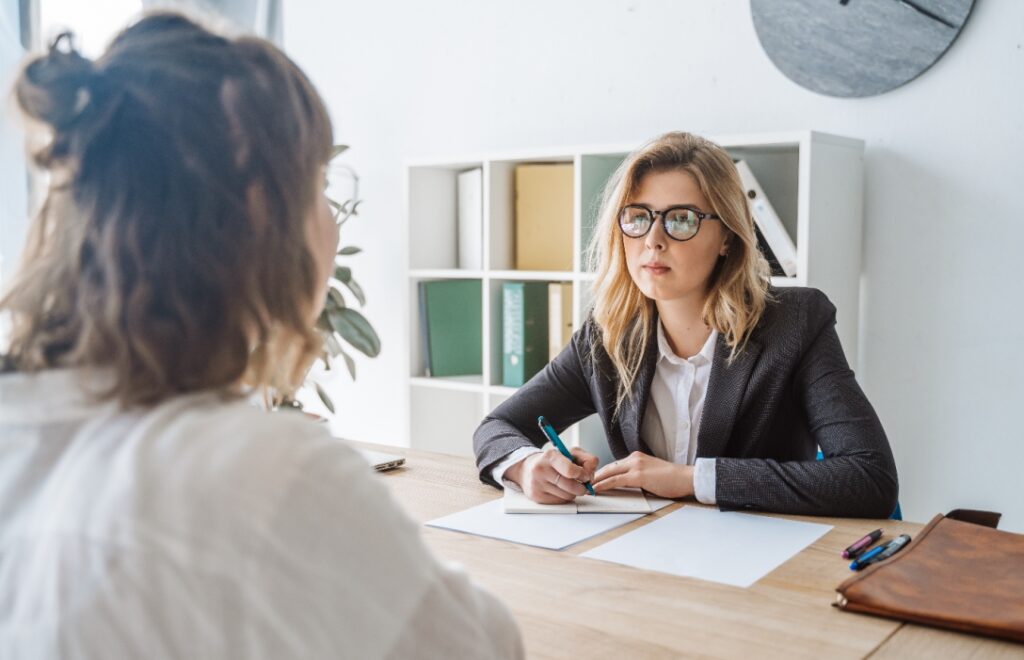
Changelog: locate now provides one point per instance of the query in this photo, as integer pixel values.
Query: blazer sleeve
(857, 477)
(560, 392)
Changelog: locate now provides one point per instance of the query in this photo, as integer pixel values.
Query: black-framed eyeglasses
(681, 223)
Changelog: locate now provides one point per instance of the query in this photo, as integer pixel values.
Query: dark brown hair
(171, 246)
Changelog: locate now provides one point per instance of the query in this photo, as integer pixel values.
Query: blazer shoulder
(803, 310)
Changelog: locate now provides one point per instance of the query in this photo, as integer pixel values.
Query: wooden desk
(572, 607)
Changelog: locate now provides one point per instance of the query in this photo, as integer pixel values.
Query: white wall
(942, 350)
(13, 176)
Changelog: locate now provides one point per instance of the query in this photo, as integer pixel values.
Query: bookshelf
(814, 181)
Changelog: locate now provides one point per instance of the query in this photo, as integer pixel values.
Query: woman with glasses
(709, 382)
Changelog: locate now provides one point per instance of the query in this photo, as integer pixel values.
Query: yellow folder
(544, 215)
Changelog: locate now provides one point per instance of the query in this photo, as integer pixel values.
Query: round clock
(853, 48)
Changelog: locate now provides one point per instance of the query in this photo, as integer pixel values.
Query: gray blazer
(789, 392)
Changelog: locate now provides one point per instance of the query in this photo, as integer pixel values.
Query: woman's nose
(656, 239)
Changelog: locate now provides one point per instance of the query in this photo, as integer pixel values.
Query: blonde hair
(738, 290)
(171, 246)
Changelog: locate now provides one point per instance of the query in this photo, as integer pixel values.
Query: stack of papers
(616, 501)
(555, 532)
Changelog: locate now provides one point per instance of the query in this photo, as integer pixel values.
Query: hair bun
(54, 88)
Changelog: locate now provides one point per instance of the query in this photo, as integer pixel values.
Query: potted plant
(342, 326)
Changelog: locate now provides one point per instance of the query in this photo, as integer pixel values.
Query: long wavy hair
(739, 286)
(171, 245)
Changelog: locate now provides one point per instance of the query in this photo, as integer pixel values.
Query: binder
(451, 327)
(470, 215)
(524, 331)
(559, 317)
(773, 238)
(544, 216)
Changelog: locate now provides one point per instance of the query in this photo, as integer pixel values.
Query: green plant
(339, 323)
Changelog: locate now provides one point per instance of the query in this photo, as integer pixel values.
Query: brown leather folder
(959, 572)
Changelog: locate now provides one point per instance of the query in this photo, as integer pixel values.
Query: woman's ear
(724, 250)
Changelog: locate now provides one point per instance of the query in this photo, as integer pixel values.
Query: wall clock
(853, 48)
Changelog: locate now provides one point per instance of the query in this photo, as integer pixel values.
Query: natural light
(94, 23)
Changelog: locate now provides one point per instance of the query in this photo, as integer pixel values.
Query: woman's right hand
(548, 477)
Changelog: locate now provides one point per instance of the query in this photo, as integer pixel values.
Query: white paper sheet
(617, 501)
(555, 531)
(708, 544)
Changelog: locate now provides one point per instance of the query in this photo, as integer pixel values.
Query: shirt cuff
(499, 470)
(704, 480)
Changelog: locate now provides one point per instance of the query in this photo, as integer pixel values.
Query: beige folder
(544, 216)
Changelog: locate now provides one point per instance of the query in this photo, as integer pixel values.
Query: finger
(587, 461)
(571, 486)
(554, 478)
(618, 467)
(559, 493)
(611, 483)
(566, 468)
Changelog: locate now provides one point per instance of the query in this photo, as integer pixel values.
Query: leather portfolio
(959, 573)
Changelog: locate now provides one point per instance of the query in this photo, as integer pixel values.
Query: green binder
(451, 327)
(524, 331)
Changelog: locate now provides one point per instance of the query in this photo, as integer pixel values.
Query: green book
(451, 327)
(524, 331)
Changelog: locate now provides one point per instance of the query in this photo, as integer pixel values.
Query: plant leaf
(343, 274)
(356, 330)
(334, 296)
(349, 249)
(337, 150)
(356, 290)
(323, 397)
(349, 363)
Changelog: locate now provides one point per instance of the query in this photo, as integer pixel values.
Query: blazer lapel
(726, 389)
(632, 413)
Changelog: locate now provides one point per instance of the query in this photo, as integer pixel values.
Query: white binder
(768, 221)
(470, 213)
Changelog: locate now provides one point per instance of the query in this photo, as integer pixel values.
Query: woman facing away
(179, 261)
(709, 382)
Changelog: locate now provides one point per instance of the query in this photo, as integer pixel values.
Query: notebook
(616, 501)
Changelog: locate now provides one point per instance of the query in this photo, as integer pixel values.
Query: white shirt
(206, 528)
(671, 422)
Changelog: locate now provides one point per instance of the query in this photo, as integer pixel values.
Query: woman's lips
(656, 269)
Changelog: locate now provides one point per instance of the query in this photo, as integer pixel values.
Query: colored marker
(891, 548)
(865, 559)
(549, 431)
(861, 544)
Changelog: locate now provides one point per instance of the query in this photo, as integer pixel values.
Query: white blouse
(206, 528)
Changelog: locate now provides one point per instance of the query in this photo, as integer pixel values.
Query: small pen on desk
(550, 434)
(861, 544)
(865, 559)
(882, 552)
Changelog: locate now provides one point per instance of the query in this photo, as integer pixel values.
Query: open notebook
(616, 501)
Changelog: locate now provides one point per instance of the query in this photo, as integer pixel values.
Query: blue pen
(865, 559)
(549, 431)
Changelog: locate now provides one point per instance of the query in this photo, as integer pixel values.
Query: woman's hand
(550, 478)
(640, 470)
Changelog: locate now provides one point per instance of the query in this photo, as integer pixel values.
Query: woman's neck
(685, 330)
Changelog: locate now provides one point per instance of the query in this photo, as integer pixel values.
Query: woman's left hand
(640, 470)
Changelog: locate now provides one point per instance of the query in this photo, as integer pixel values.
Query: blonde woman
(178, 265)
(709, 382)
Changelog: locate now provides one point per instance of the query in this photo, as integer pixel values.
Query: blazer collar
(726, 390)
(631, 414)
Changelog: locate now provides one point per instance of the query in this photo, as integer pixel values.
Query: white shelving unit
(814, 180)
